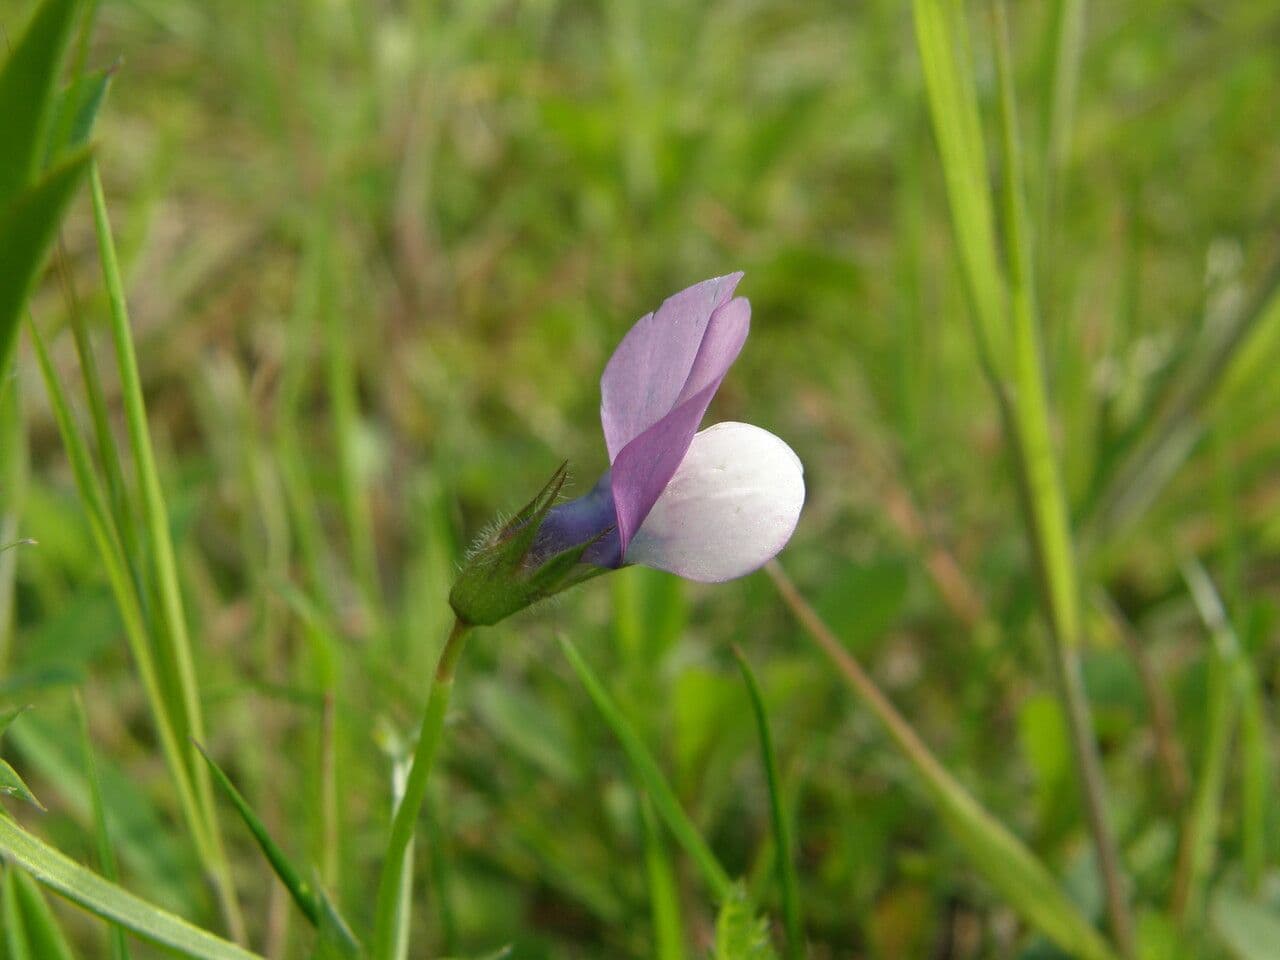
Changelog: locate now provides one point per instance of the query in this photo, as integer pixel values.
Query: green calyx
(502, 577)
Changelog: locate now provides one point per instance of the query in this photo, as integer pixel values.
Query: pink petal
(648, 373)
(647, 462)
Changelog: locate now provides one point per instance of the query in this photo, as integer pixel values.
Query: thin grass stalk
(1000, 856)
(309, 543)
(786, 867)
(163, 562)
(1066, 44)
(1173, 423)
(1047, 513)
(13, 487)
(119, 946)
(943, 40)
(664, 798)
(131, 615)
(664, 898)
(108, 452)
(344, 403)
(396, 875)
(1198, 847)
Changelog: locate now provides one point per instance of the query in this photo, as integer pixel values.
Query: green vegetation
(297, 298)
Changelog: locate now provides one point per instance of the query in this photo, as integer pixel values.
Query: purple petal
(643, 467)
(648, 373)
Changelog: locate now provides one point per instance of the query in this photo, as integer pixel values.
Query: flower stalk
(396, 870)
(1003, 859)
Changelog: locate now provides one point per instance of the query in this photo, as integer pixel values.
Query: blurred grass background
(377, 255)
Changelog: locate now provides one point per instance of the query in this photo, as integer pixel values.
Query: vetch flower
(708, 506)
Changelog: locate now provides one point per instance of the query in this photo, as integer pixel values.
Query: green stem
(163, 563)
(396, 875)
(1045, 501)
(122, 585)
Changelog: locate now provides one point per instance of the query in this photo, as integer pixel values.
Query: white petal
(730, 508)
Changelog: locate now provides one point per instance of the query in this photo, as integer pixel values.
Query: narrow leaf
(8, 716)
(106, 853)
(787, 881)
(28, 84)
(12, 785)
(664, 898)
(42, 935)
(646, 768)
(319, 910)
(111, 902)
(75, 113)
(27, 228)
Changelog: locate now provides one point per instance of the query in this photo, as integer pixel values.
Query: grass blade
(27, 228)
(1255, 776)
(28, 87)
(106, 853)
(103, 898)
(1005, 301)
(664, 798)
(787, 881)
(1198, 847)
(1006, 863)
(33, 930)
(943, 40)
(1047, 518)
(1172, 424)
(14, 475)
(299, 889)
(76, 112)
(122, 586)
(664, 898)
(178, 662)
(311, 902)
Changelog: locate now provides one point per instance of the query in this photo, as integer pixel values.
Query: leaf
(28, 84)
(163, 866)
(1249, 930)
(27, 228)
(12, 785)
(783, 858)
(111, 902)
(335, 941)
(75, 112)
(25, 909)
(315, 906)
(102, 837)
(650, 775)
(740, 934)
(8, 716)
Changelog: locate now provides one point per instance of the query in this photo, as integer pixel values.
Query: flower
(708, 506)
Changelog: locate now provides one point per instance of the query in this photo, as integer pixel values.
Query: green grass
(363, 266)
